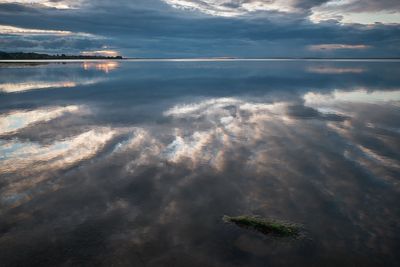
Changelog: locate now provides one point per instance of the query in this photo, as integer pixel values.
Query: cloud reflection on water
(333, 70)
(16, 120)
(26, 86)
(33, 163)
(114, 189)
(356, 96)
(203, 134)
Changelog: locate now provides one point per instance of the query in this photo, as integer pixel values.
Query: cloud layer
(188, 28)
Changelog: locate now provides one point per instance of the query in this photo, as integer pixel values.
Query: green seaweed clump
(265, 226)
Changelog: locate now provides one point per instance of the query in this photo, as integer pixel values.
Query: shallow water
(135, 163)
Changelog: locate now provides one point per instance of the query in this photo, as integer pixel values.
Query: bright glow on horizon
(108, 53)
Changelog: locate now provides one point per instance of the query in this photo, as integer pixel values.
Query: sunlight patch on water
(105, 67)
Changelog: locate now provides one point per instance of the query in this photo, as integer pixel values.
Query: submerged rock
(264, 225)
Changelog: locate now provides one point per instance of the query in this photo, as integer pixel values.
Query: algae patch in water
(265, 226)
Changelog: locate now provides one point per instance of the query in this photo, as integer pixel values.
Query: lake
(134, 163)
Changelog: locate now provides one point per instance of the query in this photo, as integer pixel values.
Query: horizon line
(204, 59)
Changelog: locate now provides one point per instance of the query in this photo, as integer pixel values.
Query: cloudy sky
(187, 28)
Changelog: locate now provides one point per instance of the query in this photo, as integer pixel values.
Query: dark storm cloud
(303, 112)
(46, 44)
(154, 28)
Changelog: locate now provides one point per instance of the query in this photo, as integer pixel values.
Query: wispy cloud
(58, 4)
(12, 30)
(337, 47)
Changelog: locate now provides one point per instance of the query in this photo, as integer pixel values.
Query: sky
(203, 28)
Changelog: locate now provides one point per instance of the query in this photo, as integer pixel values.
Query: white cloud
(356, 11)
(61, 4)
(344, 11)
(231, 8)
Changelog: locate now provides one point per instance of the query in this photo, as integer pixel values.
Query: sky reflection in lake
(138, 167)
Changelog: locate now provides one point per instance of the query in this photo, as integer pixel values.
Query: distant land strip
(35, 56)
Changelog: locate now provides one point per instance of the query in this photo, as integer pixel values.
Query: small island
(36, 56)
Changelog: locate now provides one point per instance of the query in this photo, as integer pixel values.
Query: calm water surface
(135, 163)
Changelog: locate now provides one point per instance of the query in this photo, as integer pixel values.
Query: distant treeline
(21, 55)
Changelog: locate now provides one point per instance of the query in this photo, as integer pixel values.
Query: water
(135, 163)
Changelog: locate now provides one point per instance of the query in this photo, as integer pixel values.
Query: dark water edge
(126, 163)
